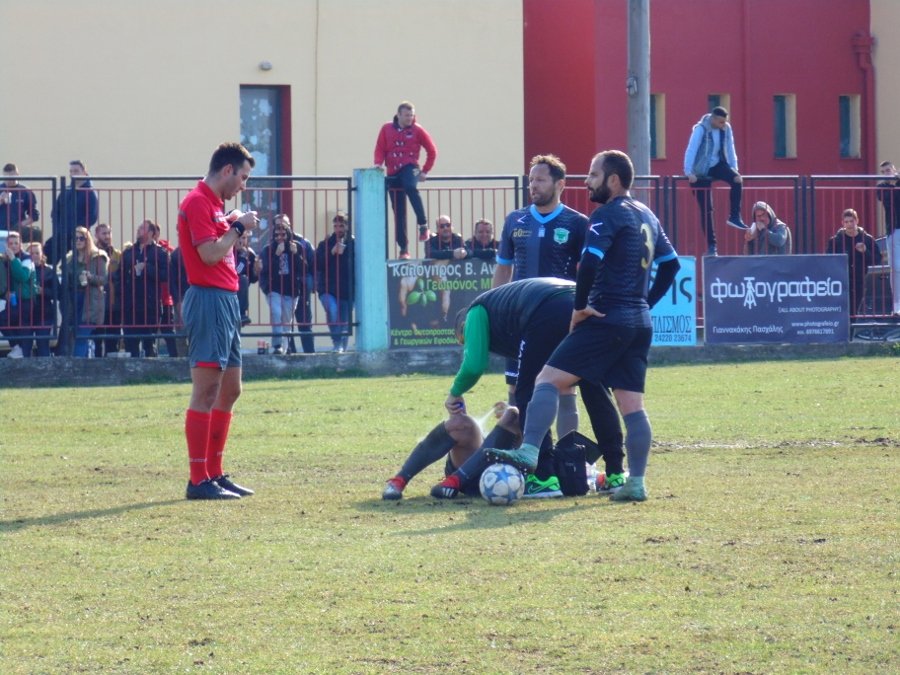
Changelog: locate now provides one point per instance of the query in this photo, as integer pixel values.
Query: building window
(262, 127)
(266, 133)
(785, 106)
(849, 111)
(657, 126)
(713, 100)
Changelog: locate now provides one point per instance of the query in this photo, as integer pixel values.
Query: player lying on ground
(457, 439)
(526, 320)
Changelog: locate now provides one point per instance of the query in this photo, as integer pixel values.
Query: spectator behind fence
(861, 251)
(18, 206)
(306, 285)
(18, 281)
(178, 281)
(144, 266)
(178, 285)
(77, 206)
(445, 244)
(167, 304)
(86, 272)
(710, 155)
(280, 266)
(113, 313)
(44, 305)
(245, 266)
(888, 194)
(5, 283)
(334, 279)
(767, 235)
(398, 147)
(482, 244)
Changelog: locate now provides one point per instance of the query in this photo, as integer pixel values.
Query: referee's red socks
(219, 424)
(196, 432)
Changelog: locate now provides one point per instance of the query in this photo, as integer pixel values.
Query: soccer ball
(501, 484)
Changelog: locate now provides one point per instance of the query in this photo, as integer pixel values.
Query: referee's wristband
(237, 225)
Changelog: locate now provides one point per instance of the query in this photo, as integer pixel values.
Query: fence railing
(810, 205)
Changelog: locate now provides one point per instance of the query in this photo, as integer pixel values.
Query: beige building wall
(151, 87)
(885, 24)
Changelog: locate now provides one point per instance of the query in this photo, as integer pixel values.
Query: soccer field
(769, 542)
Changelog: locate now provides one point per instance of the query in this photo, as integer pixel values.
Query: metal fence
(810, 205)
(143, 309)
(465, 199)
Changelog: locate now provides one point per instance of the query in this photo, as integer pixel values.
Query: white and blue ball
(502, 484)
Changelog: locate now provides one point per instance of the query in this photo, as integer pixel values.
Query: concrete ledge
(71, 372)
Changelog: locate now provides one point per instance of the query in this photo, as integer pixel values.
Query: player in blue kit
(544, 239)
(610, 329)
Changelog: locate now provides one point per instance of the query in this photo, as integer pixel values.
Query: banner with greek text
(425, 296)
(776, 298)
(675, 315)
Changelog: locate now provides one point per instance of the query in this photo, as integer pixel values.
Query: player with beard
(610, 331)
(545, 239)
(542, 240)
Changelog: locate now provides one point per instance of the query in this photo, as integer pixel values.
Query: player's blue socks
(637, 442)
(430, 449)
(567, 417)
(540, 414)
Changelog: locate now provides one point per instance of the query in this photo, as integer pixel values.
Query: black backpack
(569, 457)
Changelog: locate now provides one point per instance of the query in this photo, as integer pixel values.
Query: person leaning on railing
(86, 272)
(861, 251)
(482, 244)
(18, 278)
(44, 305)
(334, 279)
(767, 235)
(18, 206)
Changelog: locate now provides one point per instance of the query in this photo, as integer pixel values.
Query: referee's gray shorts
(212, 320)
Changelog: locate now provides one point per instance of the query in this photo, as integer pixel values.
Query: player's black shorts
(606, 354)
(547, 328)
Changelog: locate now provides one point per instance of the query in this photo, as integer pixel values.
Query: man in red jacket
(398, 147)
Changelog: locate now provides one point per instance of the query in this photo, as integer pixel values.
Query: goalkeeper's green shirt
(476, 355)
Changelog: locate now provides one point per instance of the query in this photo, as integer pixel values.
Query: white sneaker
(15, 353)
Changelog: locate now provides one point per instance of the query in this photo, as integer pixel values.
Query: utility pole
(638, 85)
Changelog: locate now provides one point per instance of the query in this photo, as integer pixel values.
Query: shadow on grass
(60, 518)
(479, 514)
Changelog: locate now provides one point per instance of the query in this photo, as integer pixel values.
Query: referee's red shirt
(201, 219)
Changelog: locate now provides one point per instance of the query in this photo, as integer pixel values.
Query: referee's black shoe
(209, 489)
(224, 481)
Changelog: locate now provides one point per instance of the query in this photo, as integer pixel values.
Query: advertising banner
(777, 298)
(425, 296)
(675, 315)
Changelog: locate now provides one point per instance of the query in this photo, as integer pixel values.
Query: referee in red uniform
(212, 318)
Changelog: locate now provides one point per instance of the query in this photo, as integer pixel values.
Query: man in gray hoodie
(710, 156)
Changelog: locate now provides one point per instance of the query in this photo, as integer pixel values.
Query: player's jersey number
(647, 236)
